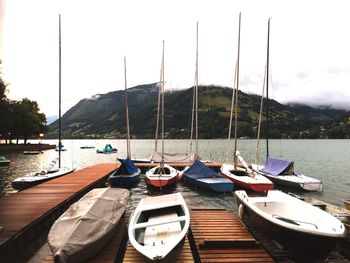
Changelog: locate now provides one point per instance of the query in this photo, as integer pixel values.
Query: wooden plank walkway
(219, 236)
(26, 210)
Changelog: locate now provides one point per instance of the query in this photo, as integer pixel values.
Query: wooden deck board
(21, 210)
(219, 236)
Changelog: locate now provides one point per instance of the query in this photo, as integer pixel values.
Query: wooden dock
(220, 236)
(24, 213)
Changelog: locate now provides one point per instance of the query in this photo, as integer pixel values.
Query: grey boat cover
(86, 226)
(275, 166)
(173, 157)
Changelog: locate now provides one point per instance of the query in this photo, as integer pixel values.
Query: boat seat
(151, 223)
(161, 233)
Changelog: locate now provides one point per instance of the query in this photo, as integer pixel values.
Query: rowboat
(245, 177)
(281, 172)
(300, 227)
(4, 161)
(126, 174)
(162, 175)
(201, 175)
(47, 173)
(86, 226)
(158, 226)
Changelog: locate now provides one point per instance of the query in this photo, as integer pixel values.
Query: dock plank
(219, 236)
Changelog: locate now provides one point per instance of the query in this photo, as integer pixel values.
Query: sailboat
(278, 170)
(163, 174)
(198, 173)
(127, 173)
(54, 169)
(242, 176)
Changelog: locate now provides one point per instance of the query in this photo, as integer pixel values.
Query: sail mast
(237, 83)
(128, 155)
(59, 91)
(196, 93)
(158, 110)
(267, 89)
(260, 115)
(162, 83)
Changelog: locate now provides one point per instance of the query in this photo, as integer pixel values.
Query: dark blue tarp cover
(199, 170)
(127, 168)
(275, 166)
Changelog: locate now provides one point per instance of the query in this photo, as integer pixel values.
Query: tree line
(19, 119)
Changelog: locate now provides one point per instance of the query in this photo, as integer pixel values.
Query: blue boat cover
(276, 166)
(199, 170)
(127, 167)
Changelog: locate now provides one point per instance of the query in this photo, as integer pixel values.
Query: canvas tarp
(276, 166)
(199, 170)
(173, 157)
(85, 227)
(127, 167)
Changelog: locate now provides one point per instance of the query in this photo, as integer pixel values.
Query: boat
(281, 172)
(201, 175)
(107, 149)
(243, 177)
(4, 161)
(347, 204)
(87, 225)
(303, 229)
(54, 169)
(163, 174)
(32, 152)
(49, 172)
(278, 170)
(158, 226)
(127, 173)
(87, 147)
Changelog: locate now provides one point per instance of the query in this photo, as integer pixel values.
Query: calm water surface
(327, 160)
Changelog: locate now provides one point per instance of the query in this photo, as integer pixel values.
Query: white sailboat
(54, 169)
(242, 176)
(278, 170)
(163, 174)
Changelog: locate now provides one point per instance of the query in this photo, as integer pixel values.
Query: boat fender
(241, 211)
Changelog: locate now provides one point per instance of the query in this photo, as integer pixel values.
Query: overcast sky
(309, 47)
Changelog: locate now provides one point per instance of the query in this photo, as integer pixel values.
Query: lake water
(326, 160)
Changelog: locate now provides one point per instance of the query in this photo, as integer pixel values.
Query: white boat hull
(158, 226)
(305, 230)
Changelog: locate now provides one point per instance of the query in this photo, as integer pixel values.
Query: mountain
(103, 116)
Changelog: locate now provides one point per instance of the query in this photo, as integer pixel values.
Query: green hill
(103, 116)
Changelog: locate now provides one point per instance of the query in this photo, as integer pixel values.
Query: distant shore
(26, 147)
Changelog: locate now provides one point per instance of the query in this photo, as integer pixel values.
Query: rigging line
(197, 92)
(59, 91)
(260, 116)
(158, 109)
(163, 106)
(231, 114)
(267, 88)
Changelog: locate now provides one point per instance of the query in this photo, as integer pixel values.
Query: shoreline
(26, 147)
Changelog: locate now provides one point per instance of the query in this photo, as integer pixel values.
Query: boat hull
(162, 176)
(299, 244)
(124, 180)
(220, 185)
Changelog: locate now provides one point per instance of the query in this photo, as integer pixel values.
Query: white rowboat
(158, 226)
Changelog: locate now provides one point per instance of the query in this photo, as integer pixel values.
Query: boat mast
(59, 91)
(267, 89)
(260, 115)
(196, 93)
(237, 83)
(158, 110)
(162, 83)
(231, 114)
(128, 155)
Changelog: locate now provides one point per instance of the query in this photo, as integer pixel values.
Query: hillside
(103, 116)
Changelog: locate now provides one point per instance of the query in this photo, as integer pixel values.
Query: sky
(309, 47)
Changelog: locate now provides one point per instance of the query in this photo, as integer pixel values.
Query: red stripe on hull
(162, 183)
